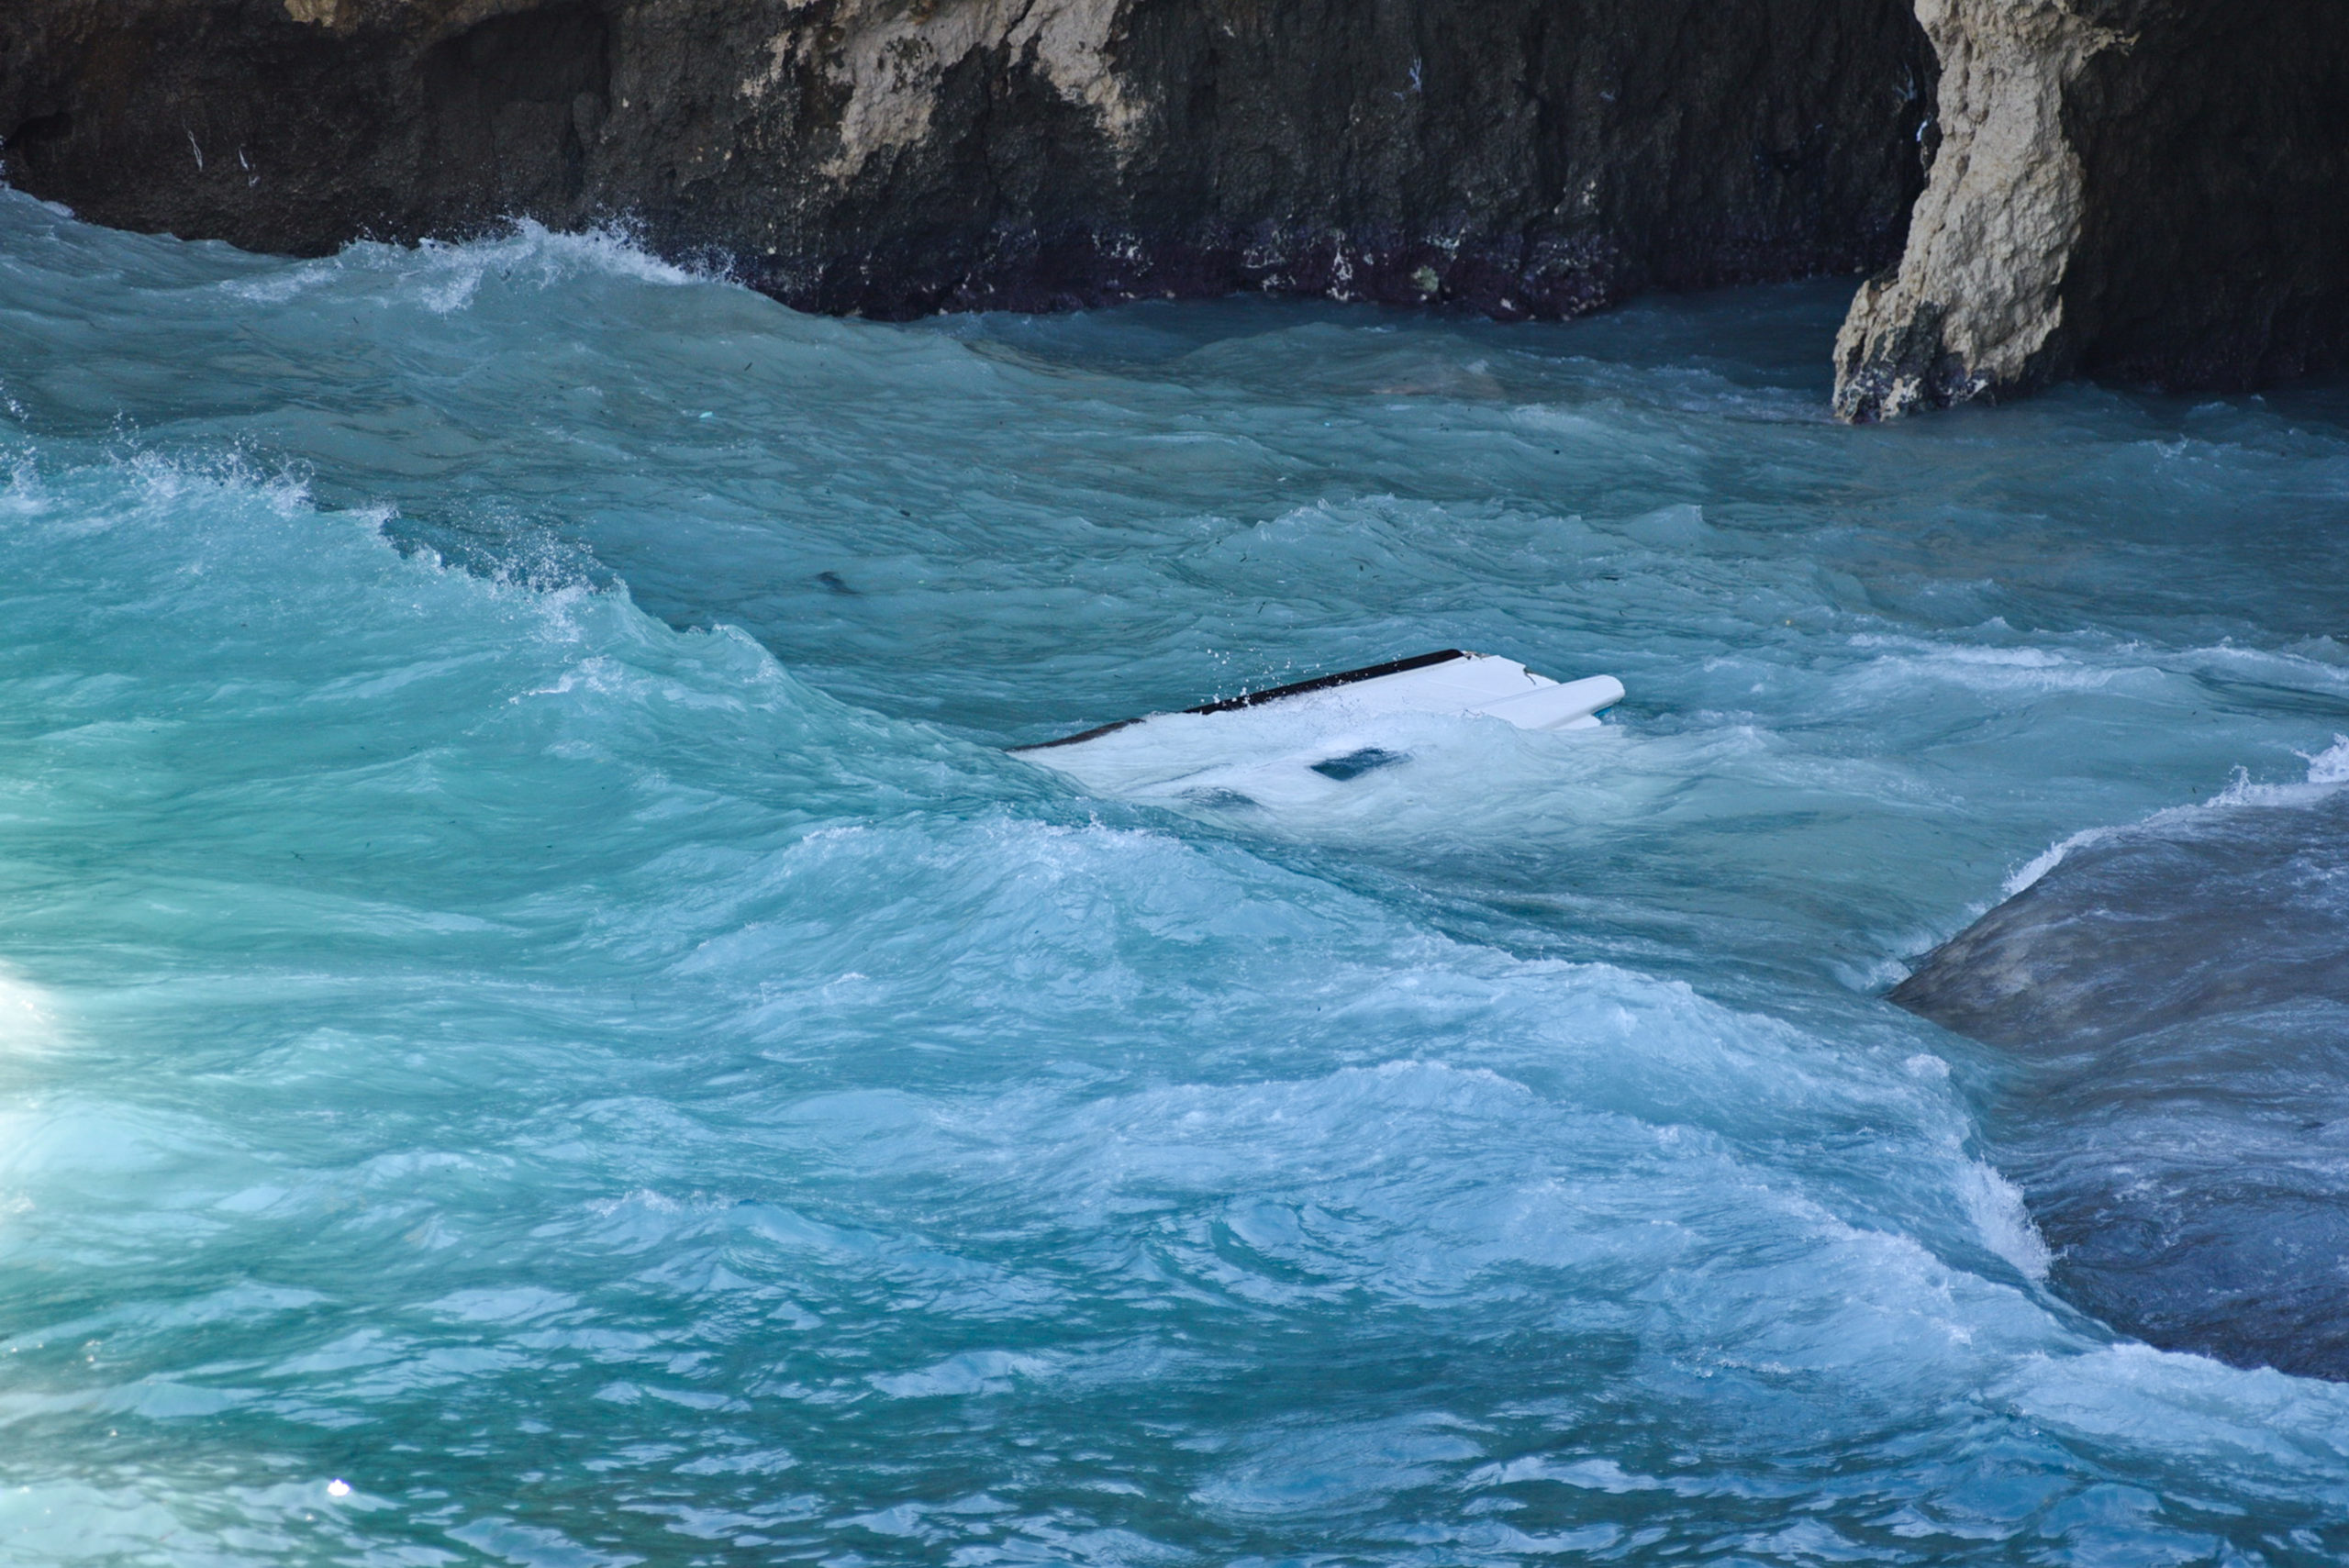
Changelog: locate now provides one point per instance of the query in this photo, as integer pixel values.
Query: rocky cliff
(1520, 157)
(2143, 188)
(2152, 190)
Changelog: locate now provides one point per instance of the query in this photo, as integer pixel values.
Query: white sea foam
(445, 276)
(1995, 1206)
(2328, 772)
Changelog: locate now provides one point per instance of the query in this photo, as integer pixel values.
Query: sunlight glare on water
(540, 1025)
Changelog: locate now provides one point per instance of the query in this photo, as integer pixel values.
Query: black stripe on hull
(1270, 694)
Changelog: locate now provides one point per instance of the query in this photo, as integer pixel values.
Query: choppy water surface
(538, 1025)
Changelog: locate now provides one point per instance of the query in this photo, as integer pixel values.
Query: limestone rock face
(2146, 189)
(1521, 157)
(1976, 302)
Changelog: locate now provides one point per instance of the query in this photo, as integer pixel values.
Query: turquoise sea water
(538, 1024)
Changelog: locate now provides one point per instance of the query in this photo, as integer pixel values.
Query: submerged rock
(2175, 997)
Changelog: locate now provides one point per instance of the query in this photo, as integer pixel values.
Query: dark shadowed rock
(2175, 997)
(1520, 156)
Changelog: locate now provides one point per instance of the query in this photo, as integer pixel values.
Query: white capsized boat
(1211, 752)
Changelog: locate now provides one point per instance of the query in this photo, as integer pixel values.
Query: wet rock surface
(2175, 999)
(1517, 157)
